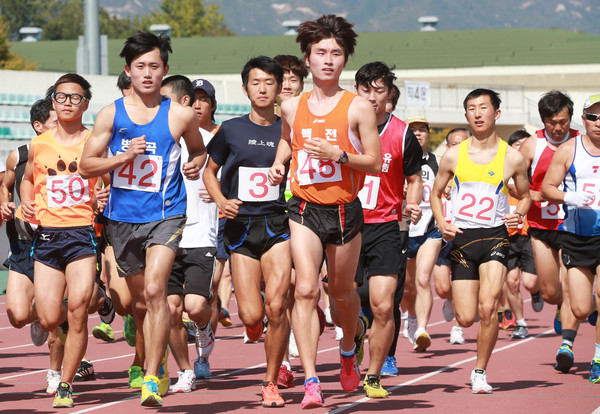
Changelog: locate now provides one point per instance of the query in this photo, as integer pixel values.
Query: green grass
(407, 50)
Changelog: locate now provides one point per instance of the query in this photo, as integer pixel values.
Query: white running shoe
(38, 334)
(52, 380)
(422, 340)
(292, 347)
(186, 381)
(205, 341)
(448, 310)
(456, 335)
(339, 333)
(479, 383)
(411, 329)
(328, 318)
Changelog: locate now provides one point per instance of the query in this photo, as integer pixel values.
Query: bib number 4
(311, 171)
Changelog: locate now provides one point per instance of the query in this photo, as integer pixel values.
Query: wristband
(414, 204)
(520, 217)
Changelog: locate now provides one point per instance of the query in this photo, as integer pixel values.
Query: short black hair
(476, 93)
(74, 78)
(40, 111)
(553, 102)
(453, 130)
(144, 42)
(124, 81)
(264, 63)
(394, 96)
(291, 63)
(181, 86)
(327, 26)
(371, 72)
(518, 135)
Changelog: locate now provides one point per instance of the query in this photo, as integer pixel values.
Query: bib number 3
(253, 185)
(141, 174)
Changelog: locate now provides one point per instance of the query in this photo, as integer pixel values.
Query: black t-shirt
(239, 142)
(413, 154)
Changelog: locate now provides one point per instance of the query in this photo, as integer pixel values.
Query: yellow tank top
(479, 194)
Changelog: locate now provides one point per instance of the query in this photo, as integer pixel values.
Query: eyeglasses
(591, 117)
(74, 98)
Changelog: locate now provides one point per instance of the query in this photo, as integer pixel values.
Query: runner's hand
(7, 209)
(28, 209)
(414, 212)
(578, 198)
(136, 146)
(191, 171)
(230, 208)
(320, 149)
(276, 174)
(449, 231)
(204, 196)
(512, 221)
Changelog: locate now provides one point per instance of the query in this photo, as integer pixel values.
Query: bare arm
(28, 190)
(516, 162)
(284, 148)
(194, 143)
(527, 150)
(556, 173)
(414, 193)
(7, 207)
(229, 208)
(445, 173)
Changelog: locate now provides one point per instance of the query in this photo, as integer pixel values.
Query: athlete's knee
(18, 317)
(581, 310)
(463, 319)
(551, 294)
(306, 292)
(175, 308)
(383, 310)
(487, 312)
(154, 293)
(443, 290)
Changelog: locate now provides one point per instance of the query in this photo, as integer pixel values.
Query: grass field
(407, 50)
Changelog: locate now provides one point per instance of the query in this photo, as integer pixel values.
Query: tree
(8, 59)
(189, 18)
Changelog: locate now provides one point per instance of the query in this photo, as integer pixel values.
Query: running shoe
(404, 317)
(85, 372)
(163, 374)
(103, 331)
(205, 341)
(509, 319)
(292, 347)
(285, 379)
(191, 329)
(448, 310)
(557, 322)
(247, 340)
(107, 311)
(456, 335)
(224, 318)
(389, 368)
(52, 380)
(271, 396)
(185, 383)
(479, 383)
(422, 340)
(136, 377)
(254, 333)
(62, 331)
(500, 318)
(521, 332)
(349, 373)
(202, 368)
(537, 302)
(64, 396)
(359, 340)
(595, 371)
(339, 333)
(38, 334)
(129, 329)
(150, 395)
(313, 397)
(412, 329)
(564, 358)
(328, 319)
(373, 388)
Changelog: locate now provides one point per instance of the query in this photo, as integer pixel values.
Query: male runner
(331, 136)
(480, 168)
(147, 202)
(381, 199)
(256, 231)
(575, 164)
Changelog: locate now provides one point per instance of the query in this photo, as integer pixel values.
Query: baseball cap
(206, 86)
(592, 100)
(417, 118)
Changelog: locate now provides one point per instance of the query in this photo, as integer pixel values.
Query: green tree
(189, 18)
(8, 59)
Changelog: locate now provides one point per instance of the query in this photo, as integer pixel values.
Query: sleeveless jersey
(429, 170)
(479, 195)
(62, 197)
(381, 196)
(150, 187)
(543, 215)
(17, 229)
(583, 175)
(324, 182)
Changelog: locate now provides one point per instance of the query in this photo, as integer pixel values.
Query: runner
(575, 164)
(147, 202)
(480, 168)
(381, 198)
(331, 136)
(256, 231)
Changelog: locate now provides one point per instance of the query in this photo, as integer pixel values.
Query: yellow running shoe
(64, 396)
(163, 374)
(373, 388)
(136, 377)
(150, 397)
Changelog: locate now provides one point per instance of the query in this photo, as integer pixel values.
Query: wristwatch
(343, 158)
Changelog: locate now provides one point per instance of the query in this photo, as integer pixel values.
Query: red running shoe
(285, 379)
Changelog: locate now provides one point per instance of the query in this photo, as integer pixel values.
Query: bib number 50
(67, 190)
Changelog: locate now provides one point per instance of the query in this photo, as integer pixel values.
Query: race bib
(311, 171)
(591, 186)
(426, 195)
(447, 206)
(476, 208)
(253, 185)
(369, 193)
(66, 190)
(141, 174)
(552, 211)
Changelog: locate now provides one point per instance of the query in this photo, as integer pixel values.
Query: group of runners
(370, 211)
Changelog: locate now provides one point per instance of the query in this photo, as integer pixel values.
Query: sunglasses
(591, 117)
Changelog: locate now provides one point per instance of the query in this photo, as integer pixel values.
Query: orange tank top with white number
(324, 182)
(62, 197)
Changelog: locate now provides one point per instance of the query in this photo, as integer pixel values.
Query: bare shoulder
(514, 156)
(528, 147)
(107, 113)
(11, 160)
(360, 104)
(566, 148)
(289, 107)
(181, 111)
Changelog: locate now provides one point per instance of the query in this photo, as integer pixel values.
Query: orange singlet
(324, 182)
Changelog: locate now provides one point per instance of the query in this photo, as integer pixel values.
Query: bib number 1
(368, 194)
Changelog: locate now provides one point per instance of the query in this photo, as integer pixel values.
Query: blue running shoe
(557, 322)
(389, 368)
(595, 371)
(564, 358)
(202, 368)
